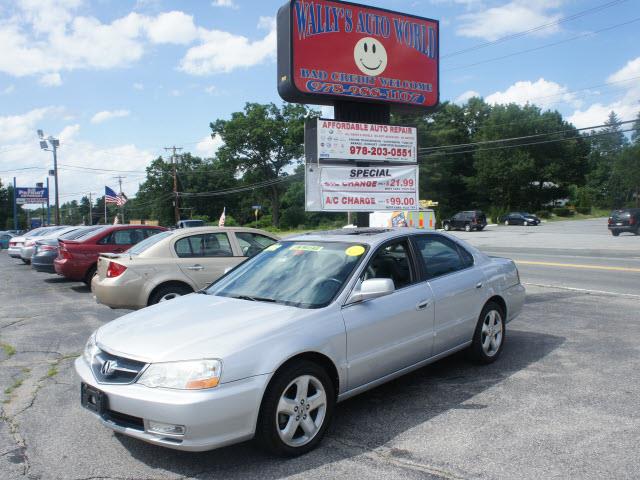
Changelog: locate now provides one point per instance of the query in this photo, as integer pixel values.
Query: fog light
(160, 428)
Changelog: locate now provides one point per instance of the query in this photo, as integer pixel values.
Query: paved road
(560, 403)
(580, 255)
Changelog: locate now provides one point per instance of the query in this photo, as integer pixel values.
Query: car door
(204, 257)
(458, 289)
(458, 220)
(389, 333)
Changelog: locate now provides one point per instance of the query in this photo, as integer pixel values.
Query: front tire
(467, 228)
(296, 410)
(506, 223)
(489, 335)
(615, 233)
(447, 227)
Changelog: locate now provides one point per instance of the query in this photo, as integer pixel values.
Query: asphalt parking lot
(562, 401)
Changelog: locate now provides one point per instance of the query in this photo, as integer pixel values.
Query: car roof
(193, 230)
(368, 236)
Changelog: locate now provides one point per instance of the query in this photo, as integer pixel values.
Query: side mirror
(372, 288)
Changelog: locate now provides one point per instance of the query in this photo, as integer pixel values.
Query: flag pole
(106, 222)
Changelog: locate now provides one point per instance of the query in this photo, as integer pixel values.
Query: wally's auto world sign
(335, 140)
(336, 188)
(330, 50)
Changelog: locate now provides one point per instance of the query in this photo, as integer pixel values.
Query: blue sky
(118, 80)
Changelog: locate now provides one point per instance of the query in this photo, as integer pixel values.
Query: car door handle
(479, 285)
(422, 305)
(195, 267)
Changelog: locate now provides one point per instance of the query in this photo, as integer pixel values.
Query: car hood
(194, 326)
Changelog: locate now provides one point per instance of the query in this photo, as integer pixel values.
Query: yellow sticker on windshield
(273, 247)
(354, 251)
(306, 248)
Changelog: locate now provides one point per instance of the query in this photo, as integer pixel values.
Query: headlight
(90, 349)
(191, 375)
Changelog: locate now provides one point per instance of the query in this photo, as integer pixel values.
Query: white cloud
(626, 106)
(175, 93)
(211, 89)
(543, 93)
(223, 52)
(18, 132)
(463, 97)
(16, 127)
(172, 27)
(7, 90)
(105, 115)
(513, 17)
(51, 80)
(224, 3)
(138, 86)
(208, 146)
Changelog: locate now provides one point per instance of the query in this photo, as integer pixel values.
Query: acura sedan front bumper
(209, 418)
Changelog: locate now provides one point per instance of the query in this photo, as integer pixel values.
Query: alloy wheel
(169, 296)
(491, 333)
(301, 411)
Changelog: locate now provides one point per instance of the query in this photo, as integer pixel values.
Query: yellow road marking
(573, 265)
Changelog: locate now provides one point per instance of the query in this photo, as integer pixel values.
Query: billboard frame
(285, 68)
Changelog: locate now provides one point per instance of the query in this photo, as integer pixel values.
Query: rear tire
(489, 335)
(169, 292)
(26, 262)
(506, 223)
(306, 387)
(89, 275)
(447, 227)
(615, 233)
(467, 228)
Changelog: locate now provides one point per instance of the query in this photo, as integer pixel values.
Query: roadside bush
(543, 214)
(495, 214)
(562, 212)
(583, 210)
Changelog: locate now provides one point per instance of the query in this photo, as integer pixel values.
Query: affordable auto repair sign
(330, 50)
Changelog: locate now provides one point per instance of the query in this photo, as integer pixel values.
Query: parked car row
(476, 220)
(133, 266)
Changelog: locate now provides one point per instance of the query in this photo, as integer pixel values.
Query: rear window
(81, 232)
(621, 214)
(149, 242)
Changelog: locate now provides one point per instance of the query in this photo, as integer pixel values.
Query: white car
(16, 243)
(312, 320)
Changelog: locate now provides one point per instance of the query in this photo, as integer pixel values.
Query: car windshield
(301, 274)
(143, 245)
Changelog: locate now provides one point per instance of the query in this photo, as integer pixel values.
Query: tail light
(64, 253)
(115, 269)
(632, 221)
(12, 244)
(46, 248)
(610, 220)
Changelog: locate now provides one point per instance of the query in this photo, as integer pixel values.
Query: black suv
(467, 221)
(626, 220)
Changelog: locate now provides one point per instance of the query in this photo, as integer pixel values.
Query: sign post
(367, 62)
(15, 206)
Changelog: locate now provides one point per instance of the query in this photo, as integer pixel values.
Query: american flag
(112, 197)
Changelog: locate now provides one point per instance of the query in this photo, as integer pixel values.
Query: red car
(77, 258)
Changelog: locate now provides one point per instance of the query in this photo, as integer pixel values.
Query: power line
(534, 29)
(541, 47)
(566, 139)
(484, 142)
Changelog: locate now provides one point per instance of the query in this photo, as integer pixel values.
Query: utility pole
(53, 143)
(90, 209)
(176, 207)
(121, 207)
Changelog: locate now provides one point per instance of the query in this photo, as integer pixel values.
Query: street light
(51, 144)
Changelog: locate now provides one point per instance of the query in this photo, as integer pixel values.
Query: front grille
(123, 420)
(113, 369)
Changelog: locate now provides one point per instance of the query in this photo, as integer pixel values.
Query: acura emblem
(108, 367)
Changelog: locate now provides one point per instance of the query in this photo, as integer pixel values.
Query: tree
(263, 141)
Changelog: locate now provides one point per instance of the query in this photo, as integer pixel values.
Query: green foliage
(562, 212)
(494, 214)
(543, 214)
(583, 210)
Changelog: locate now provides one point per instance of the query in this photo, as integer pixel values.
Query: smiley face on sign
(370, 56)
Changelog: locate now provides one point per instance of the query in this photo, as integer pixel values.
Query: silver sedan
(268, 350)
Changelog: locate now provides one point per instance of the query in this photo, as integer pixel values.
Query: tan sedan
(172, 264)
